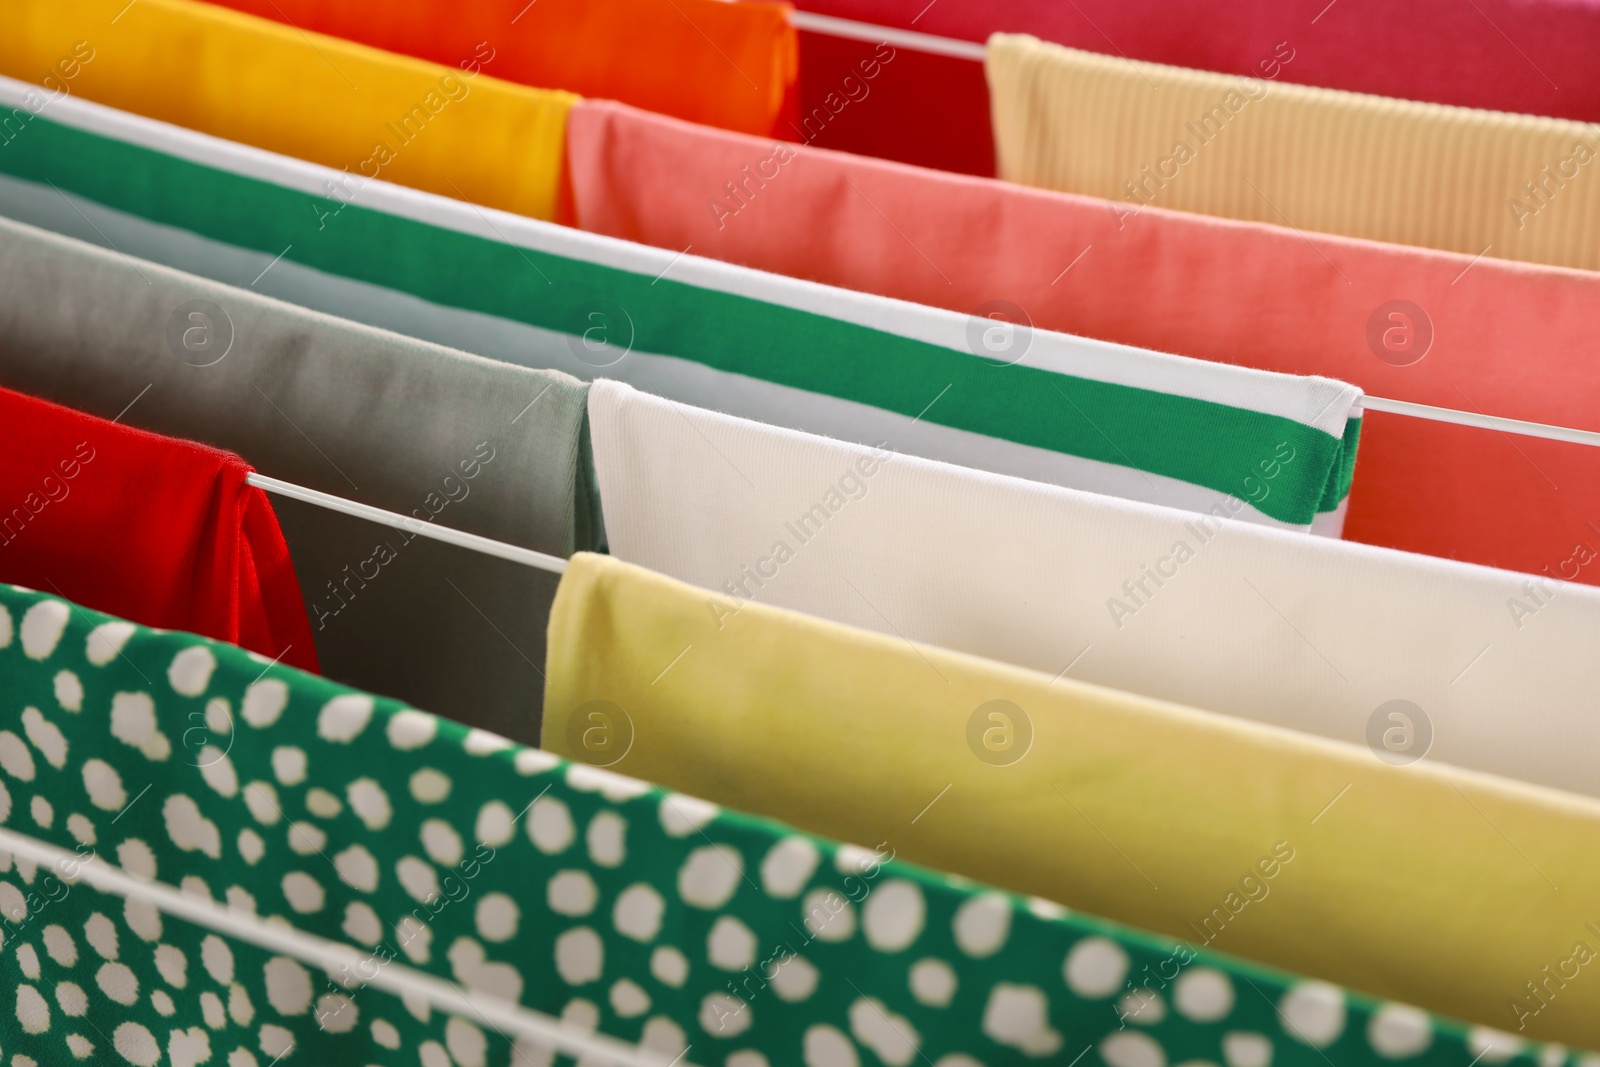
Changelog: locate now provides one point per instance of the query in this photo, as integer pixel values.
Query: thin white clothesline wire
(1487, 422)
(556, 565)
(334, 957)
(487, 545)
(866, 31)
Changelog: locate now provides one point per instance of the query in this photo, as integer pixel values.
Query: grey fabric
(479, 445)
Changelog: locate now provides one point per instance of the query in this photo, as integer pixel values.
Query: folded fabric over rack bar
(727, 65)
(1303, 633)
(962, 388)
(450, 128)
(1406, 323)
(1531, 56)
(161, 530)
(1474, 182)
(1290, 850)
(651, 917)
(437, 435)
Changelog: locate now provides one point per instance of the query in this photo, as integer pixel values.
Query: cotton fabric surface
(364, 414)
(967, 389)
(159, 529)
(1474, 182)
(1302, 633)
(446, 127)
(1528, 56)
(1403, 323)
(731, 65)
(650, 917)
(1144, 812)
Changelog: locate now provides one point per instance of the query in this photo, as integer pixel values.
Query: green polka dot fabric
(697, 935)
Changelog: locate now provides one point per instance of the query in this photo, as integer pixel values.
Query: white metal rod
(865, 31)
(557, 565)
(486, 545)
(1487, 422)
(333, 957)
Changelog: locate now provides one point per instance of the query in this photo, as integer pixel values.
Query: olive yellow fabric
(448, 129)
(1144, 134)
(1422, 883)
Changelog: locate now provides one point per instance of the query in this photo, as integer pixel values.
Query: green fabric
(1197, 441)
(570, 889)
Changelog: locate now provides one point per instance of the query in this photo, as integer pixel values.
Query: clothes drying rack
(935, 45)
(556, 565)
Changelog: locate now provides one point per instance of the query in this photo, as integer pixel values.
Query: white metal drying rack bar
(334, 957)
(556, 565)
(487, 545)
(866, 31)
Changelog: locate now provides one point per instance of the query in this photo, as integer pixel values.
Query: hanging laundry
(968, 389)
(1479, 183)
(1297, 632)
(451, 128)
(427, 851)
(161, 530)
(1403, 323)
(894, 101)
(1144, 812)
(437, 435)
(729, 65)
(1532, 56)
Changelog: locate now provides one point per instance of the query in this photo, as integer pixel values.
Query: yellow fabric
(1315, 159)
(1425, 884)
(468, 135)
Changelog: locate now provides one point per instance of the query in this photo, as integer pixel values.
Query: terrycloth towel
(728, 65)
(1314, 635)
(1405, 323)
(434, 434)
(1293, 851)
(1476, 182)
(450, 128)
(966, 389)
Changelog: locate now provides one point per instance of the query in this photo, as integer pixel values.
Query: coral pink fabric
(1507, 339)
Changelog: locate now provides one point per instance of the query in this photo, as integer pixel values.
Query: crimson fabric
(1509, 339)
(1529, 56)
(724, 64)
(153, 529)
(853, 101)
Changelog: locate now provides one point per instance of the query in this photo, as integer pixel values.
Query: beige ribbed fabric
(1458, 179)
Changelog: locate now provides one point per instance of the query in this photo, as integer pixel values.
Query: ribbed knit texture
(1314, 159)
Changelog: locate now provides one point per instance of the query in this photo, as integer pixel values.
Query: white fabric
(1322, 403)
(1304, 633)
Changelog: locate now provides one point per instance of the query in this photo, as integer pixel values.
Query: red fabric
(1509, 339)
(1536, 57)
(152, 529)
(853, 101)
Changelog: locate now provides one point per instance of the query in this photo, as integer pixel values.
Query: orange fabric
(731, 65)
